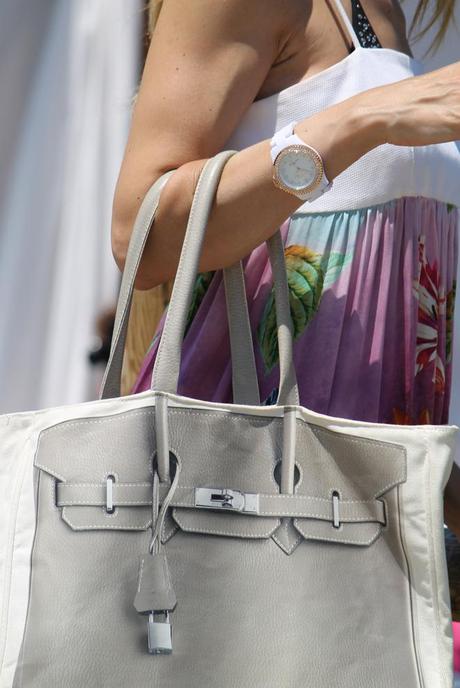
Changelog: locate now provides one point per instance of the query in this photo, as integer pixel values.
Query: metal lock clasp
(159, 635)
(224, 498)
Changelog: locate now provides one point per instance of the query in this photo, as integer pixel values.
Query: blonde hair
(442, 15)
(154, 7)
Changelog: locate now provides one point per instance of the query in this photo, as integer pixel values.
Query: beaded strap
(361, 24)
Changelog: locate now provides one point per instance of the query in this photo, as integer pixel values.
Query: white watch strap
(286, 137)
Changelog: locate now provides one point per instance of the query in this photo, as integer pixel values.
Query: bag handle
(244, 373)
(245, 383)
(166, 370)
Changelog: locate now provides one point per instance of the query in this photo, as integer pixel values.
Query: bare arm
(248, 207)
(204, 68)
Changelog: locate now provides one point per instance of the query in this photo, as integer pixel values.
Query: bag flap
(81, 454)
(230, 525)
(351, 473)
(346, 533)
(239, 469)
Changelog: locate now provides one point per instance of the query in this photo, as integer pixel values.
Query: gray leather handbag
(156, 540)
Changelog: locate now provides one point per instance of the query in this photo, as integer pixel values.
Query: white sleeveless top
(385, 173)
(371, 280)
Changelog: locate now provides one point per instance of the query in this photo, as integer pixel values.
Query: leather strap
(245, 383)
(166, 369)
(110, 386)
(167, 364)
(294, 506)
(95, 494)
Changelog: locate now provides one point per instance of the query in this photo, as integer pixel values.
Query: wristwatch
(297, 167)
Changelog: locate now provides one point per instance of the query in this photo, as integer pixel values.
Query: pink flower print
(431, 313)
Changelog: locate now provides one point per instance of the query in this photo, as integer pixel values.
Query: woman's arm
(205, 65)
(248, 207)
(204, 68)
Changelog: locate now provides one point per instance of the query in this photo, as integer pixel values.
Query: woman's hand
(418, 111)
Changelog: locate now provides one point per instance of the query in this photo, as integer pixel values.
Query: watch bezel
(312, 154)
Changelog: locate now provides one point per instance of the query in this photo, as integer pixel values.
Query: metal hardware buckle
(224, 498)
(335, 509)
(109, 506)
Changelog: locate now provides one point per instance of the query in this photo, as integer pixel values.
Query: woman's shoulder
(205, 65)
(257, 20)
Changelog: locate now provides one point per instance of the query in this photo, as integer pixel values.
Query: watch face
(297, 168)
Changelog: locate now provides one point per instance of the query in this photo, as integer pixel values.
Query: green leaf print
(202, 282)
(308, 274)
(333, 266)
(305, 281)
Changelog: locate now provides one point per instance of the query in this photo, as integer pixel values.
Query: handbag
(163, 541)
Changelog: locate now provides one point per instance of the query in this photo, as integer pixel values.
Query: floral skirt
(372, 296)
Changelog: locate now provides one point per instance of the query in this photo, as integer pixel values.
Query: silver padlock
(159, 634)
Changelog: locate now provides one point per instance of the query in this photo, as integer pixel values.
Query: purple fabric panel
(206, 371)
(373, 294)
